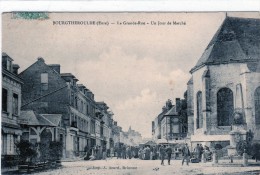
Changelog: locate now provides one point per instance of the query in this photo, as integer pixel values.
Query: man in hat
(162, 154)
(169, 154)
(186, 154)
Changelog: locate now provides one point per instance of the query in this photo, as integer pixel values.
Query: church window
(257, 105)
(225, 107)
(199, 110)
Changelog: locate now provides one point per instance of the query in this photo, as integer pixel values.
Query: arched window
(257, 105)
(199, 110)
(225, 107)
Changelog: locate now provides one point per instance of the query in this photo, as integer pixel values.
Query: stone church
(225, 82)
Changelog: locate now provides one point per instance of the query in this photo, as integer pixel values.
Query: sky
(134, 69)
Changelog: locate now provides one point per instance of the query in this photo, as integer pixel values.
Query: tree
(55, 150)
(26, 151)
(255, 151)
(44, 151)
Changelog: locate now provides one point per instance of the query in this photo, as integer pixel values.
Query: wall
(225, 75)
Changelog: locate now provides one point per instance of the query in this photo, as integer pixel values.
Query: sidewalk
(9, 170)
(72, 159)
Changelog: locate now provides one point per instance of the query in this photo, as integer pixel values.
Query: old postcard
(130, 93)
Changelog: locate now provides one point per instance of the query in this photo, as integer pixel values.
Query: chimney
(55, 67)
(178, 104)
(15, 68)
(40, 59)
(164, 109)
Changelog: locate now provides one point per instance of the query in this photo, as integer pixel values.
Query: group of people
(166, 152)
(96, 153)
(126, 152)
(199, 150)
(161, 152)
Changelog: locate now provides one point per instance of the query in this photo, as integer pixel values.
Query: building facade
(11, 104)
(47, 91)
(134, 137)
(170, 124)
(226, 81)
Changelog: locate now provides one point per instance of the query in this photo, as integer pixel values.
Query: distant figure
(119, 152)
(169, 154)
(186, 154)
(140, 153)
(92, 157)
(197, 152)
(162, 154)
(100, 152)
(201, 151)
(128, 152)
(104, 156)
(136, 152)
(154, 153)
(147, 153)
(124, 152)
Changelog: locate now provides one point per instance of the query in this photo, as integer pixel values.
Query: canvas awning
(161, 141)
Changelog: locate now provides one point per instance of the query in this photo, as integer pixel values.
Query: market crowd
(150, 152)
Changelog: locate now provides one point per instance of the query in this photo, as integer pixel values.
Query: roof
(190, 81)
(237, 40)
(172, 111)
(53, 118)
(34, 119)
(5, 55)
(150, 143)
(67, 75)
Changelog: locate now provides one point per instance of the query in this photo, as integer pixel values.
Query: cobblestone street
(136, 166)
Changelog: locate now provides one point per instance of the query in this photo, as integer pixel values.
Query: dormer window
(9, 65)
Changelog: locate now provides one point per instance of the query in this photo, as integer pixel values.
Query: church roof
(237, 40)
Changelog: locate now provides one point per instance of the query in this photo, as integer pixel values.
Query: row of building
(224, 85)
(41, 104)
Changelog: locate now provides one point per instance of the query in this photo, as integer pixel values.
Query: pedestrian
(128, 152)
(154, 153)
(147, 153)
(162, 154)
(197, 152)
(151, 153)
(104, 156)
(124, 152)
(140, 153)
(100, 152)
(186, 154)
(119, 152)
(201, 151)
(169, 154)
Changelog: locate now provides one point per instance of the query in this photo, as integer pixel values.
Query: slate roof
(237, 40)
(5, 55)
(67, 75)
(34, 119)
(53, 118)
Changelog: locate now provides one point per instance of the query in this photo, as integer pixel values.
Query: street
(149, 167)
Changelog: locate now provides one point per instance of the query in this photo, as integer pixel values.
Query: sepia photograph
(130, 93)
